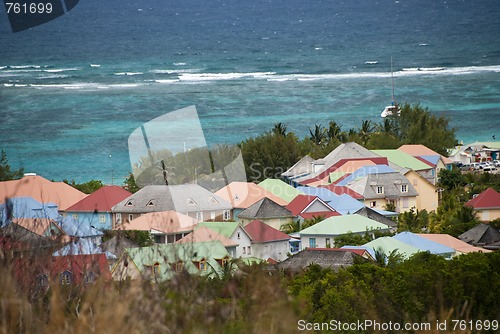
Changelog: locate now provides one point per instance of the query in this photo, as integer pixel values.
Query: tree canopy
(6, 173)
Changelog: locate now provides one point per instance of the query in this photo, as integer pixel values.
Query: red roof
(102, 200)
(261, 232)
(339, 190)
(301, 202)
(488, 199)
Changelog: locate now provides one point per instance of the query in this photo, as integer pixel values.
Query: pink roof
(165, 221)
(419, 150)
(101, 200)
(261, 232)
(204, 234)
(241, 195)
(302, 202)
(42, 190)
(452, 242)
(488, 199)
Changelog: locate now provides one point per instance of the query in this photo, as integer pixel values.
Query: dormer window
(190, 201)
(404, 188)
(42, 280)
(66, 277)
(151, 203)
(380, 189)
(129, 203)
(236, 197)
(89, 277)
(212, 200)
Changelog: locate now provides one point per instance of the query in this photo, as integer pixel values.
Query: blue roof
(424, 244)
(75, 229)
(82, 247)
(363, 171)
(27, 207)
(323, 193)
(346, 204)
(433, 159)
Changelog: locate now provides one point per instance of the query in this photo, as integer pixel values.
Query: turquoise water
(72, 90)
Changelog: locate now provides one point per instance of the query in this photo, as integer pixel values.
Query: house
(308, 170)
(458, 245)
(44, 227)
(241, 195)
(486, 204)
(389, 245)
(163, 261)
(365, 252)
(343, 204)
(323, 234)
(236, 233)
(26, 207)
(482, 235)
(72, 270)
(428, 156)
(95, 209)
(342, 190)
(83, 247)
(307, 207)
(268, 242)
(379, 190)
(267, 211)
(42, 190)
(326, 258)
(428, 193)
(281, 189)
(81, 231)
(116, 246)
(425, 244)
(205, 234)
(189, 199)
(476, 152)
(164, 226)
(400, 160)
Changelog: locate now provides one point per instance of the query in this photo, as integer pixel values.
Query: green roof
(388, 244)
(402, 159)
(334, 176)
(281, 189)
(339, 225)
(167, 254)
(223, 228)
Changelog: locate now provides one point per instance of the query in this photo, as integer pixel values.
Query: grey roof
(182, 198)
(392, 182)
(326, 258)
(481, 235)
(117, 245)
(374, 215)
(301, 167)
(265, 209)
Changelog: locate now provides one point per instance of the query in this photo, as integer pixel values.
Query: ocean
(72, 90)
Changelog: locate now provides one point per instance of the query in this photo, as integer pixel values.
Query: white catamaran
(393, 109)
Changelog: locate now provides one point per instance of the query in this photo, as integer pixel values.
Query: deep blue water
(72, 90)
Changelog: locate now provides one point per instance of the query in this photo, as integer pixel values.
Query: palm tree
(319, 135)
(280, 129)
(365, 131)
(335, 133)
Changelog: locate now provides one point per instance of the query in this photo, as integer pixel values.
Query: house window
(244, 250)
(249, 250)
(227, 215)
(130, 217)
(224, 263)
(373, 204)
(212, 215)
(42, 280)
(203, 265)
(404, 188)
(239, 235)
(405, 202)
(312, 242)
(380, 189)
(327, 242)
(179, 266)
(118, 218)
(89, 277)
(66, 277)
(102, 219)
(199, 215)
(75, 216)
